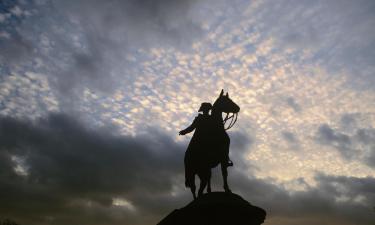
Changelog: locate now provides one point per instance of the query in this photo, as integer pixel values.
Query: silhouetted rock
(216, 208)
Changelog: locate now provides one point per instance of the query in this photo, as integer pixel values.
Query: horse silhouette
(209, 145)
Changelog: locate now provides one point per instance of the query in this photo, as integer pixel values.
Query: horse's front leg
(201, 187)
(224, 172)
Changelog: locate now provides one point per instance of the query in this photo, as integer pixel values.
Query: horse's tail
(189, 174)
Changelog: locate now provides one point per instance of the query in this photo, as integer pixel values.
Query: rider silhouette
(203, 125)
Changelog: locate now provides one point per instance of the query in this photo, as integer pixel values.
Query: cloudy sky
(93, 94)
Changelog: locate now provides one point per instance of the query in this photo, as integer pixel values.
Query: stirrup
(229, 163)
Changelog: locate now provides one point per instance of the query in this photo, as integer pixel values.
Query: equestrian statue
(209, 145)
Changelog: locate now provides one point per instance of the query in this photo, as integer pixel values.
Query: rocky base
(216, 208)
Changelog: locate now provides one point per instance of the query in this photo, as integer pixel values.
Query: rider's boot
(229, 163)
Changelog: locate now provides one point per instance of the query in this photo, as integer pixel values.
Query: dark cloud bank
(74, 172)
(357, 146)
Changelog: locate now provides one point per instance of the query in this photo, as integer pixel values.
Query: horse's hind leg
(192, 188)
(204, 180)
(209, 182)
(224, 172)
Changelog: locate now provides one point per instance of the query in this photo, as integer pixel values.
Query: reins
(233, 120)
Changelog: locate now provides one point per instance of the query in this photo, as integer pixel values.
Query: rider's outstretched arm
(189, 128)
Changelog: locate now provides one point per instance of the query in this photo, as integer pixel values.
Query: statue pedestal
(216, 208)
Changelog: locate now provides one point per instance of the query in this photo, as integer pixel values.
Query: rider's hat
(205, 106)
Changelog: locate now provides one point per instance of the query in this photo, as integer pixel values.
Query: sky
(93, 94)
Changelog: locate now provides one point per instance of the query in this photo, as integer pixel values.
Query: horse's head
(224, 104)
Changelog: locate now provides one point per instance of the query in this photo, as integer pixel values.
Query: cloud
(15, 49)
(289, 137)
(87, 43)
(348, 121)
(326, 135)
(240, 145)
(334, 200)
(332, 34)
(68, 172)
(356, 146)
(71, 169)
(293, 104)
(280, 71)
